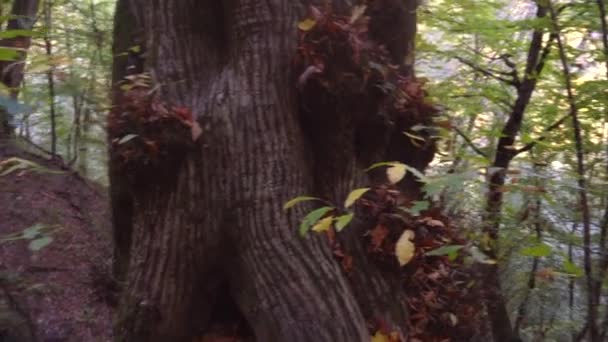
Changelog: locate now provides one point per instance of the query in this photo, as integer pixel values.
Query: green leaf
(9, 54)
(312, 218)
(33, 231)
(297, 200)
(481, 257)
(450, 250)
(343, 221)
(417, 208)
(13, 164)
(16, 33)
(354, 196)
(9, 170)
(127, 138)
(538, 250)
(572, 269)
(40, 243)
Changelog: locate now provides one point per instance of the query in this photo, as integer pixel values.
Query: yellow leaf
(354, 196)
(307, 24)
(405, 249)
(453, 319)
(357, 13)
(396, 172)
(380, 337)
(297, 200)
(323, 225)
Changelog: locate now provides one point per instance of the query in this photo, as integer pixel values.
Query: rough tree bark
(23, 17)
(214, 226)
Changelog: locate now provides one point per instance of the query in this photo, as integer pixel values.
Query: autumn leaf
(378, 235)
(343, 221)
(433, 223)
(357, 12)
(547, 274)
(354, 196)
(323, 225)
(396, 173)
(405, 249)
(292, 202)
(380, 337)
(307, 24)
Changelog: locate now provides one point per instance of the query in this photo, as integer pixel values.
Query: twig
(470, 142)
(543, 136)
(487, 72)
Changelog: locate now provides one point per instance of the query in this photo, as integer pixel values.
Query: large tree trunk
(212, 222)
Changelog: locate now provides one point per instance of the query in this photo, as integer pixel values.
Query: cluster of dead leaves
(337, 52)
(143, 129)
(441, 293)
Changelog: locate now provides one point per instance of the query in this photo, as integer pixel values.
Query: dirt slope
(54, 294)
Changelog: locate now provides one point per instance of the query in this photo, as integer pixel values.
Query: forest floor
(55, 293)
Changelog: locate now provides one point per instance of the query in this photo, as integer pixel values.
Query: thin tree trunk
(571, 281)
(85, 127)
(495, 301)
(603, 247)
(48, 9)
(592, 304)
(523, 307)
(75, 137)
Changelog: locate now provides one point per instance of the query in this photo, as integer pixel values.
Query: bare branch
(470, 142)
(543, 136)
(489, 72)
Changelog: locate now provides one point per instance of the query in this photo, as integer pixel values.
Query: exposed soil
(54, 294)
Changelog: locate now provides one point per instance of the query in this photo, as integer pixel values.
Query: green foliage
(14, 164)
(312, 218)
(80, 63)
(354, 196)
(297, 200)
(538, 250)
(465, 48)
(450, 250)
(38, 236)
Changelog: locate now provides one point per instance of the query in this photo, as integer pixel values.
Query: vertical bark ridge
(224, 209)
(176, 256)
(259, 120)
